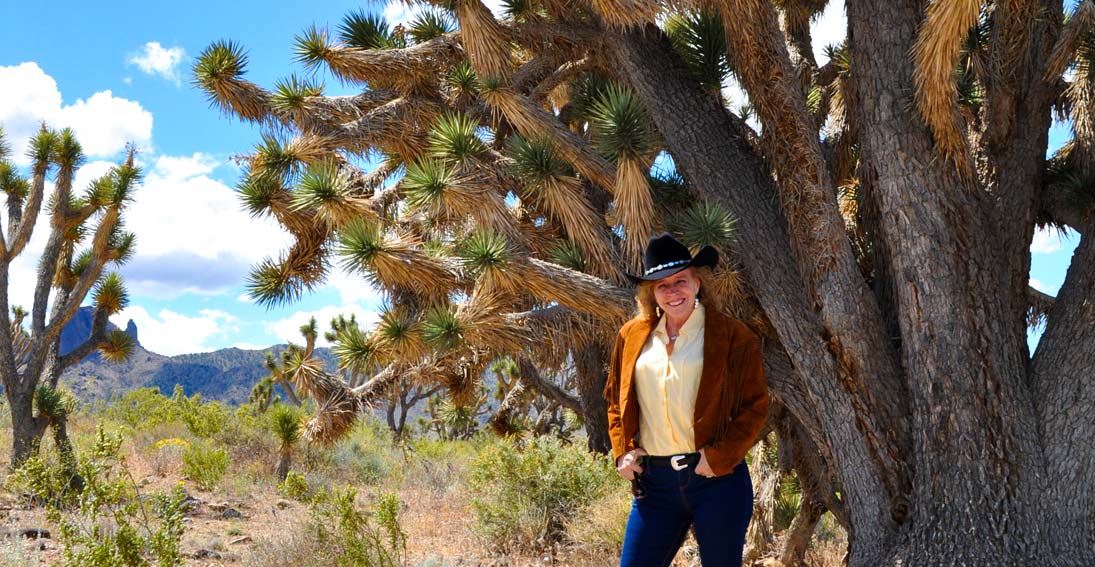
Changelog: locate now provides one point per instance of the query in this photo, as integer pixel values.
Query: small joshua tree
(86, 236)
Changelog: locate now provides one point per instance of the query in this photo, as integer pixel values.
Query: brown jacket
(732, 401)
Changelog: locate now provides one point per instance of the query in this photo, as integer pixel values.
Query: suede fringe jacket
(732, 401)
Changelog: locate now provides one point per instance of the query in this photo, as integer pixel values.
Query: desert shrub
(141, 409)
(366, 465)
(524, 495)
(787, 503)
(439, 464)
(338, 533)
(295, 486)
(203, 419)
(165, 455)
(145, 408)
(387, 510)
(205, 465)
(105, 521)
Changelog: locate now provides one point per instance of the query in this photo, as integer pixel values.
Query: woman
(686, 399)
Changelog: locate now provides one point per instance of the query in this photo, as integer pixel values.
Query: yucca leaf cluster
(472, 196)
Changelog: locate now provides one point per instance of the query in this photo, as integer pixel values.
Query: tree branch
(1061, 376)
(96, 339)
(530, 375)
(20, 234)
(1056, 205)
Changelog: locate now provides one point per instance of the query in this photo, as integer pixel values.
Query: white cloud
(1038, 285)
(171, 333)
(154, 59)
(398, 13)
(829, 29)
(179, 208)
(192, 233)
(353, 288)
(103, 123)
(1045, 241)
(288, 329)
(497, 7)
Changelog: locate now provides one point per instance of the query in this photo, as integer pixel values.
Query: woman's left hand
(703, 468)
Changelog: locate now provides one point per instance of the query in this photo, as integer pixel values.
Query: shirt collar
(692, 328)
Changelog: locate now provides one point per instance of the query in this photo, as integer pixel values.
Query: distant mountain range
(226, 375)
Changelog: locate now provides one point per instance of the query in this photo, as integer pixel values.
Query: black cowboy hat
(666, 256)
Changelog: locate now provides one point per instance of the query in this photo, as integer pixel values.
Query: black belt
(678, 462)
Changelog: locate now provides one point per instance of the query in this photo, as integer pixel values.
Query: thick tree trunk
(1063, 376)
(284, 462)
(977, 458)
(26, 429)
(589, 364)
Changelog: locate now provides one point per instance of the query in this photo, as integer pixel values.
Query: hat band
(664, 266)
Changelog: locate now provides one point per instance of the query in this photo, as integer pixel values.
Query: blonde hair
(648, 306)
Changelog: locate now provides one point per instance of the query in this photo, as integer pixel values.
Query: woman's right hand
(628, 464)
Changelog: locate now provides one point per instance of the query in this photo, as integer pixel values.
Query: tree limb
(1056, 205)
(94, 341)
(530, 375)
(1061, 376)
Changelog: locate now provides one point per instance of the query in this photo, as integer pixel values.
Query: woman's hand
(703, 468)
(628, 465)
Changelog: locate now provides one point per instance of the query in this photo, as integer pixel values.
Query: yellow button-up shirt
(666, 387)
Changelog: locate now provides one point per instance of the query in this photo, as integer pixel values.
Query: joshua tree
(285, 423)
(54, 405)
(883, 212)
(86, 235)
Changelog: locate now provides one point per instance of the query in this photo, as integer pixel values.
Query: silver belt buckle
(675, 462)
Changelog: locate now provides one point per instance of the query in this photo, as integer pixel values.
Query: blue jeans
(718, 509)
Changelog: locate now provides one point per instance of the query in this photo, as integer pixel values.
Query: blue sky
(119, 71)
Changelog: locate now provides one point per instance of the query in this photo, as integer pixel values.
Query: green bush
(204, 465)
(339, 534)
(105, 521)
(600, 524)
(523, 496)
(295, 486)
(142, 409)
(146, 408)
(348, 536)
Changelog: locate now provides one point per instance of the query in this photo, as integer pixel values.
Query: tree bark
(26, 429)
(589, 364)
(976, 453)
(284, 463)
(1063, 376)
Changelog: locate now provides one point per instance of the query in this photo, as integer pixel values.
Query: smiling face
(676, 294)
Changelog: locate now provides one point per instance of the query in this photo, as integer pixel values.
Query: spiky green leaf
(118, 348)
(455, 137)
(110, 294)
(429, 24)
(320, 184)
(621, 127)
(442, 329)
(363, 30)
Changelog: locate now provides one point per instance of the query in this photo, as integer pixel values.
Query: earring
(697, 302)
(658, 311)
